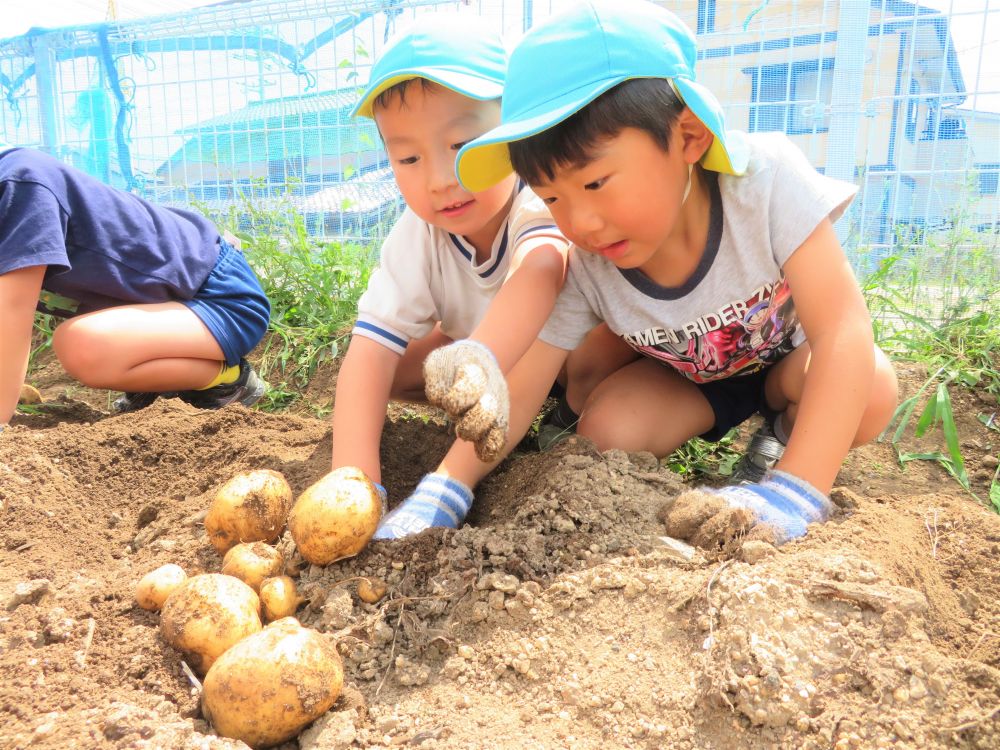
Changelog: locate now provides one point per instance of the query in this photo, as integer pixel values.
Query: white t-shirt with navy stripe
(427, 276)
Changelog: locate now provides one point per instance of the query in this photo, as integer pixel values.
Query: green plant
(313, 285)
(699, 458)
(948, 321)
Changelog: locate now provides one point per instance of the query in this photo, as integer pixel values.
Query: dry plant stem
(191, 676)
(973, 723)
(708, 598)
(392, 649)
(932, 531)
(87, 641)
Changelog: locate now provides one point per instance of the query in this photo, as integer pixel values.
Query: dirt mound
(559, 617)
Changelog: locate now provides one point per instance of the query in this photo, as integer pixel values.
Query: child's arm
(521, 307)
(18, 299)
(463, 379)
(444, 497)
(363, 387)
(841, 369)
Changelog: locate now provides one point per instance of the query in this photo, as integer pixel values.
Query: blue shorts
(734, 400)
(232, 304)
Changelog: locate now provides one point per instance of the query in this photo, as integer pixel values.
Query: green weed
(951, 326)
(699, 458)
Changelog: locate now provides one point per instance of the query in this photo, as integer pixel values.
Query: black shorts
(734, 400)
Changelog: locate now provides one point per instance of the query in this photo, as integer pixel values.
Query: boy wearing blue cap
(480, 267)
(155, 300)
(710, 253)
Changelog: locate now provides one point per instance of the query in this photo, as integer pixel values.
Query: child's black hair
(647, 104)
(399, 89)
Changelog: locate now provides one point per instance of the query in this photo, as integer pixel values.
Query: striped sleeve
(398, 306)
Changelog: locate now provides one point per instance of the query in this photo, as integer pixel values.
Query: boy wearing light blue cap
(480, 268)
(709, 253)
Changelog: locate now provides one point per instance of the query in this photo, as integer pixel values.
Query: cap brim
(485, 161)
(729, 152)
(472, 86)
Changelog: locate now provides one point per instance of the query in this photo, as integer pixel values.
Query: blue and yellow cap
(460, 52)
(562, 65)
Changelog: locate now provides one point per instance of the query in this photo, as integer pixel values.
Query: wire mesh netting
(240, 108)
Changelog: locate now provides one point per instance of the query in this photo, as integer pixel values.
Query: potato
(371, 590)
(267, 688)
(278, 598)
(29, 395)
(252, 562)
(207, 614)
(335, 517)
(154, 587)
(250, 507)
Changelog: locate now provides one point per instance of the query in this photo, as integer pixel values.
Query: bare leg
(645, 406)
(786, 382)
(600, 354)
(408, 384)
(157, 347)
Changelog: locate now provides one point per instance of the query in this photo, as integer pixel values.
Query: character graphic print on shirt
(738, 339)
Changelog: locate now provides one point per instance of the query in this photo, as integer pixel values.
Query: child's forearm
(528, 382)
(523, 304)
(363, 386)
(836, 392)
(18, 299)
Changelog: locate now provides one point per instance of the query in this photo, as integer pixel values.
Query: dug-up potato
(153, 588)
(278, 598)
(267, 688)
(335, 517)
(206, 615)
(250, 507)
(252, 562)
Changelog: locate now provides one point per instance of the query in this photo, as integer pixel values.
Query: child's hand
(437, 501)
(465, 380)
(777, 509)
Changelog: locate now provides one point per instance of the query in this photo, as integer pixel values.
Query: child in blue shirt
(155, 300)
(710, 253)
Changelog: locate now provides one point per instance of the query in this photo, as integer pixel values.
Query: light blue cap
(457, 51)
(563, 64)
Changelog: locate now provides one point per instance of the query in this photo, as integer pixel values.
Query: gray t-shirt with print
(735, 313)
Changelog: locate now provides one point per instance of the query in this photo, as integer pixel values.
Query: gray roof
(279, 109)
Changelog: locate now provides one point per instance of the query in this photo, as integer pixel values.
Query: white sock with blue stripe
(436, 501)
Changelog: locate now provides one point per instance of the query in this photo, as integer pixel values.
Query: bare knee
(82, 351)
(882, 403)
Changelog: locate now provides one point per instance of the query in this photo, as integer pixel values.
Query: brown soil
(557, 618)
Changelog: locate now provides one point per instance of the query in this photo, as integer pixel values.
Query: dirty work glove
(465, 380)
(437, 501)
(777, 509)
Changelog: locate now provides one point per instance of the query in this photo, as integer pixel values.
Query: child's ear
(695, 137)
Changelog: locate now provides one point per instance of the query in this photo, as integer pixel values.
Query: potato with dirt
(153, 588)
(336, 516)
(207, 614)
(279, 598)
(252, 562)
(267, 688)
(250, 507)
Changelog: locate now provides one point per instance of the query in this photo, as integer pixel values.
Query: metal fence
(243, 107)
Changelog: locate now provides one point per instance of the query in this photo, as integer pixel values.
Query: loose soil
(560, 616)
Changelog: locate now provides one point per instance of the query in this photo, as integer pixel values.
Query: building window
(989, 177)
(791, 97)
(706, 16)
(943, 124)
(912, 112)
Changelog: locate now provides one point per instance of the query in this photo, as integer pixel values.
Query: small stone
(754, 551)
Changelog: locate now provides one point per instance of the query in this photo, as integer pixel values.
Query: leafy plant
(313, 285)
(960, 345)
(698, 458)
